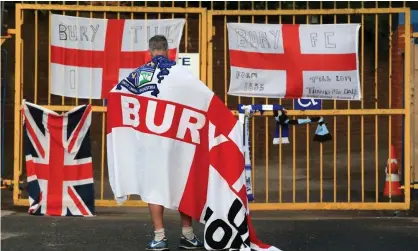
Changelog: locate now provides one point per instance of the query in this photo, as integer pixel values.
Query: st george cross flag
(90, 55)
(58, 161)
(174, 143)
(294, 61)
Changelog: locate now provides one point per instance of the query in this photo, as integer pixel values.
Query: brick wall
(398, 50)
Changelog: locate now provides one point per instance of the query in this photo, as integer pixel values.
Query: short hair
(158, 42)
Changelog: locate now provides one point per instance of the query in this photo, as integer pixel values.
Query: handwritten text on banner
(294, 61)
(91, 55)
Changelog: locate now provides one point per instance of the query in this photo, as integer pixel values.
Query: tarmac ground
(130, 229)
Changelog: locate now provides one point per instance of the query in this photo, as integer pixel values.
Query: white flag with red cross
(89, 56)
(294, 61)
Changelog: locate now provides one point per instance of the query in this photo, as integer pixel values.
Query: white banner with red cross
(294, 61)
(89, 56)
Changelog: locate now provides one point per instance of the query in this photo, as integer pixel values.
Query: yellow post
(390, 98)
(376, 91)
(209, 59)
(362, 105)
(16, 159)
(204, 46)
(225, 57)
(407, 93)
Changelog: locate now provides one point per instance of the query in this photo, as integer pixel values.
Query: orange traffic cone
(393, 178)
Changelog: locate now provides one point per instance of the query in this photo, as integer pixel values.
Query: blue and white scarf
(281, 133)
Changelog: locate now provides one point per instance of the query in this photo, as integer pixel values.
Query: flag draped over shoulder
(174, 143)
(58, 161)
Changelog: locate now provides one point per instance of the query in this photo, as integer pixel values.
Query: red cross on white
(294, 61)
(89, 56)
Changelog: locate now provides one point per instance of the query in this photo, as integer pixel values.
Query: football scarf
(281, 132)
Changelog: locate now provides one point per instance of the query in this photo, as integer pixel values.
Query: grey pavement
(130, 229)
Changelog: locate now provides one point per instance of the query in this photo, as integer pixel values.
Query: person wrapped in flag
(173, 142)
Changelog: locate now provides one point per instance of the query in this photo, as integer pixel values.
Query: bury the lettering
(167, 119)
(190, 121)
(258, 39)
(62, 33)
(72, 31)
(193, 127)
(276, 35)
(83, 31)
(77, 33)
(241, 40)
(253, 39)
(94, 29)
(130, 111)
(264, 42)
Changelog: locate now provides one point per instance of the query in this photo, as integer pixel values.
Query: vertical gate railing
(344, 174)
(316, 177)
(33, 24)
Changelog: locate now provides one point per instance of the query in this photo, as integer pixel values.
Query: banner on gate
(89, 56)
(59, 165)
(294, 61)
(191, 61)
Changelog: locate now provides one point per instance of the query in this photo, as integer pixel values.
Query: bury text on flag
(89, 56)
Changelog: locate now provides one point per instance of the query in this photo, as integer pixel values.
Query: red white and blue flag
(58, 161)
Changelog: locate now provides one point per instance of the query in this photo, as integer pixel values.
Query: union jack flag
(58, 161)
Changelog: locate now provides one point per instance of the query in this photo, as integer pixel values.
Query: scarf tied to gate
(282, 122)
(281, 133)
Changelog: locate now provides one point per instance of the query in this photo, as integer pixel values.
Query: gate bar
(274, 206)
(309, 12)
(108, 8)
(407, 103)
(17, 115)
(60, 108)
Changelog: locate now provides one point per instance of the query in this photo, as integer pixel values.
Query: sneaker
(195, 243)
(158, 245)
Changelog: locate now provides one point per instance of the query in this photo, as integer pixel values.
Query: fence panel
(349, 172)
(33, 68)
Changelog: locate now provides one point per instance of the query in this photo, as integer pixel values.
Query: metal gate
(347, 173)
(308, 175)
(32, 40)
